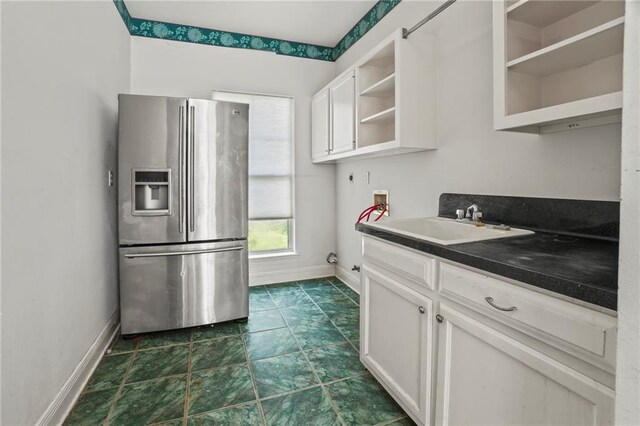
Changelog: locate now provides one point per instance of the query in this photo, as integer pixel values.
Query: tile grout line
(242, 335)
(345, 294)
(253, 380)
(175, 375)
(306, 357)
(138, 350)
(241, 404)
(170, 345)
(331, 382)
(340, 331)
(354, 346)
(267, 398)
(340, 290)
(179, 375)
(154, 379)
(395, 419)
(187, 394)
(226, 407)
(350, 341)
(328, 345)
(347, 340)
(331, 320)
(118, 394)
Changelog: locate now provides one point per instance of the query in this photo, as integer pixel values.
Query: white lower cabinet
(435, 340)
(487, 378)
(397, 340)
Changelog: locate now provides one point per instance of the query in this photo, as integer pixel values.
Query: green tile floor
(295, 362)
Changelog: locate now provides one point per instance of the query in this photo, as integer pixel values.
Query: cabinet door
(320, 125)
(343, 106)
(396, 345)
(488, 378)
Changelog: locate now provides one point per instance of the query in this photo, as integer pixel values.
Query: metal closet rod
(407, 32)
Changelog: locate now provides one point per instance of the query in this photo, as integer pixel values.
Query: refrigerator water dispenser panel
(151, 192)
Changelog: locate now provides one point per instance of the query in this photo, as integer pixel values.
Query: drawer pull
(422, 309)
(490, 301)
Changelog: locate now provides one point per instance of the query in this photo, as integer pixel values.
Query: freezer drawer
(175, 286)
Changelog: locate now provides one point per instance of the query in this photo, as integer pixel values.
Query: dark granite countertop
(579, 267)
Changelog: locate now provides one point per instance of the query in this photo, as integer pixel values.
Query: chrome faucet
(472, 215)
(471, 211)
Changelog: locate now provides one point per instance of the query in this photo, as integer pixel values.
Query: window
(270, 170)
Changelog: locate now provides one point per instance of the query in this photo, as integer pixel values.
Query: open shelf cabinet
(395, 99)
(557, 64)
(387, 116)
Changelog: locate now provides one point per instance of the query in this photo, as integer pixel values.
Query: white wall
(63, 64)
(180, 69)
(472, 158)
(628, 362)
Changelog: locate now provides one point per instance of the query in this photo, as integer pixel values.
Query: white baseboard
(62, 404)
(348, 279)
(281, 276)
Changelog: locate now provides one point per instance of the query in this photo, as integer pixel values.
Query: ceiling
(322, 23)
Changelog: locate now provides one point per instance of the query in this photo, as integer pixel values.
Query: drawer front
(589, 330)
(401, 261)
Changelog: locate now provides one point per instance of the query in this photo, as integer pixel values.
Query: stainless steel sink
(447, 231)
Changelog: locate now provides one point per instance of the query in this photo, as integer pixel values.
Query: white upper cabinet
(343, 107)
(320, 130)
(557, 64)
(390, 105)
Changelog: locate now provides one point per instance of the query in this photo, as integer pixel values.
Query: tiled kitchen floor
(295, 362)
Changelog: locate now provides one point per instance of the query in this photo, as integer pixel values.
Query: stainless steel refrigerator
(182, 192)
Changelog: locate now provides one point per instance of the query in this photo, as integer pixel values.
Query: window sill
(273, 255)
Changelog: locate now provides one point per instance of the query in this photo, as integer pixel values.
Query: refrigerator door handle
(192, 166)
(182, 253)
(181, 137)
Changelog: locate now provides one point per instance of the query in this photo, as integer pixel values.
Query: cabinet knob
(439, 318)
(422, 309)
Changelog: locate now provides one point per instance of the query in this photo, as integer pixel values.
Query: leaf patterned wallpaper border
(189, 34)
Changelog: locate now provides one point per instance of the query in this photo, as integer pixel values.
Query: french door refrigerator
(182, 192)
